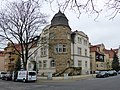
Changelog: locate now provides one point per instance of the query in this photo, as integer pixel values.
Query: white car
(112, 73)
(2, 73)
(24, 76)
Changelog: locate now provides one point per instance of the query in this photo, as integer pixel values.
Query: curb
(62, 79)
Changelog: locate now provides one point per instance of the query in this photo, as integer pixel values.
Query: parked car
(102, 74)
(119, 72)
(112, 73)
(2, 73)
(7, 76)
(24, 76)
(96, 72)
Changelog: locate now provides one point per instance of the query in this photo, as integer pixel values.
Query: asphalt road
(110, 83)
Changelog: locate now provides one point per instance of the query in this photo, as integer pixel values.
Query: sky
(100, 31)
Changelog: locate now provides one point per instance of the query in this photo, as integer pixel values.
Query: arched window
(52, 63)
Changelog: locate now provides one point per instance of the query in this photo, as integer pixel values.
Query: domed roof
(59, 19)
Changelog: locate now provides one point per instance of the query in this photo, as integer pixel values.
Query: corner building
(56, 52)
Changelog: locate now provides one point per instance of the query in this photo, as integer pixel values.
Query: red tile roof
(2, 54)
(110, 52)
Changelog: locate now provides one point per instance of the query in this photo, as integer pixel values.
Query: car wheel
(24, 80)
(15, 80)
(6, 79)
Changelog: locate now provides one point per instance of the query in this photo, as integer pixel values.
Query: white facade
(33, 59)
(44, 62)
(80, 52)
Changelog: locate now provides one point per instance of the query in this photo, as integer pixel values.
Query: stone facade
(60, 47)
(56, 53)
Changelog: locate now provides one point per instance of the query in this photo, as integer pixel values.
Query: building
(118, 54)
(109, 57)
(11, 57)
(80, 52)
(101, 58)
(32, 63)
(61, 50)
(2, 60)
(97, 57)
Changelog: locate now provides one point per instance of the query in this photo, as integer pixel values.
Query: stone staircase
(70, 71)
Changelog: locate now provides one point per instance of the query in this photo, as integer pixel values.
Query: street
(110, 83)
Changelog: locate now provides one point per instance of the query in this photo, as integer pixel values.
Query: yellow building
(101, 58)
(2, 60)
(10, 57)
(97, 57)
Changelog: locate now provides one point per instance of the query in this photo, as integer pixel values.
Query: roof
(93, 48)
(2, 54)
(59, 19)
(110, 52)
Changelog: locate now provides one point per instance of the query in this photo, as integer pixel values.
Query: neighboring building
(10, 57)
(109, 54)
(58, 54)
(32, 63)
(80, 51)
(97, 57)
(101, 58)
(119, 54)
(32, 60)
(2, 60)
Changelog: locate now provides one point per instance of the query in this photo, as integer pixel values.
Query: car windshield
(3, 73)
(32, 73)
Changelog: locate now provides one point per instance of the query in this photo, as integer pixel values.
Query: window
(43, 39)
(40, 64)
(85, 52)
(79, 63)
(43, 51)
(32, 73)
(102, 65)
(60, 48)
(44, 63)
(79, 51)
(29, 65)
(85, 63)
(68, 36)
(79, 40)
(85, 42)
(52, 63)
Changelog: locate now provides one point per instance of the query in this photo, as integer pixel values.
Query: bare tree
(89, 6)
(79, 6)
(114, 7)
(20, 22)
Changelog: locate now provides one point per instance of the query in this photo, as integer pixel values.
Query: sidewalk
(63, 79)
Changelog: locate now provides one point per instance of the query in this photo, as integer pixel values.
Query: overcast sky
(101, 31)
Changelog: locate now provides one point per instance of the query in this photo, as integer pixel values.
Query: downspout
(73, 41)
